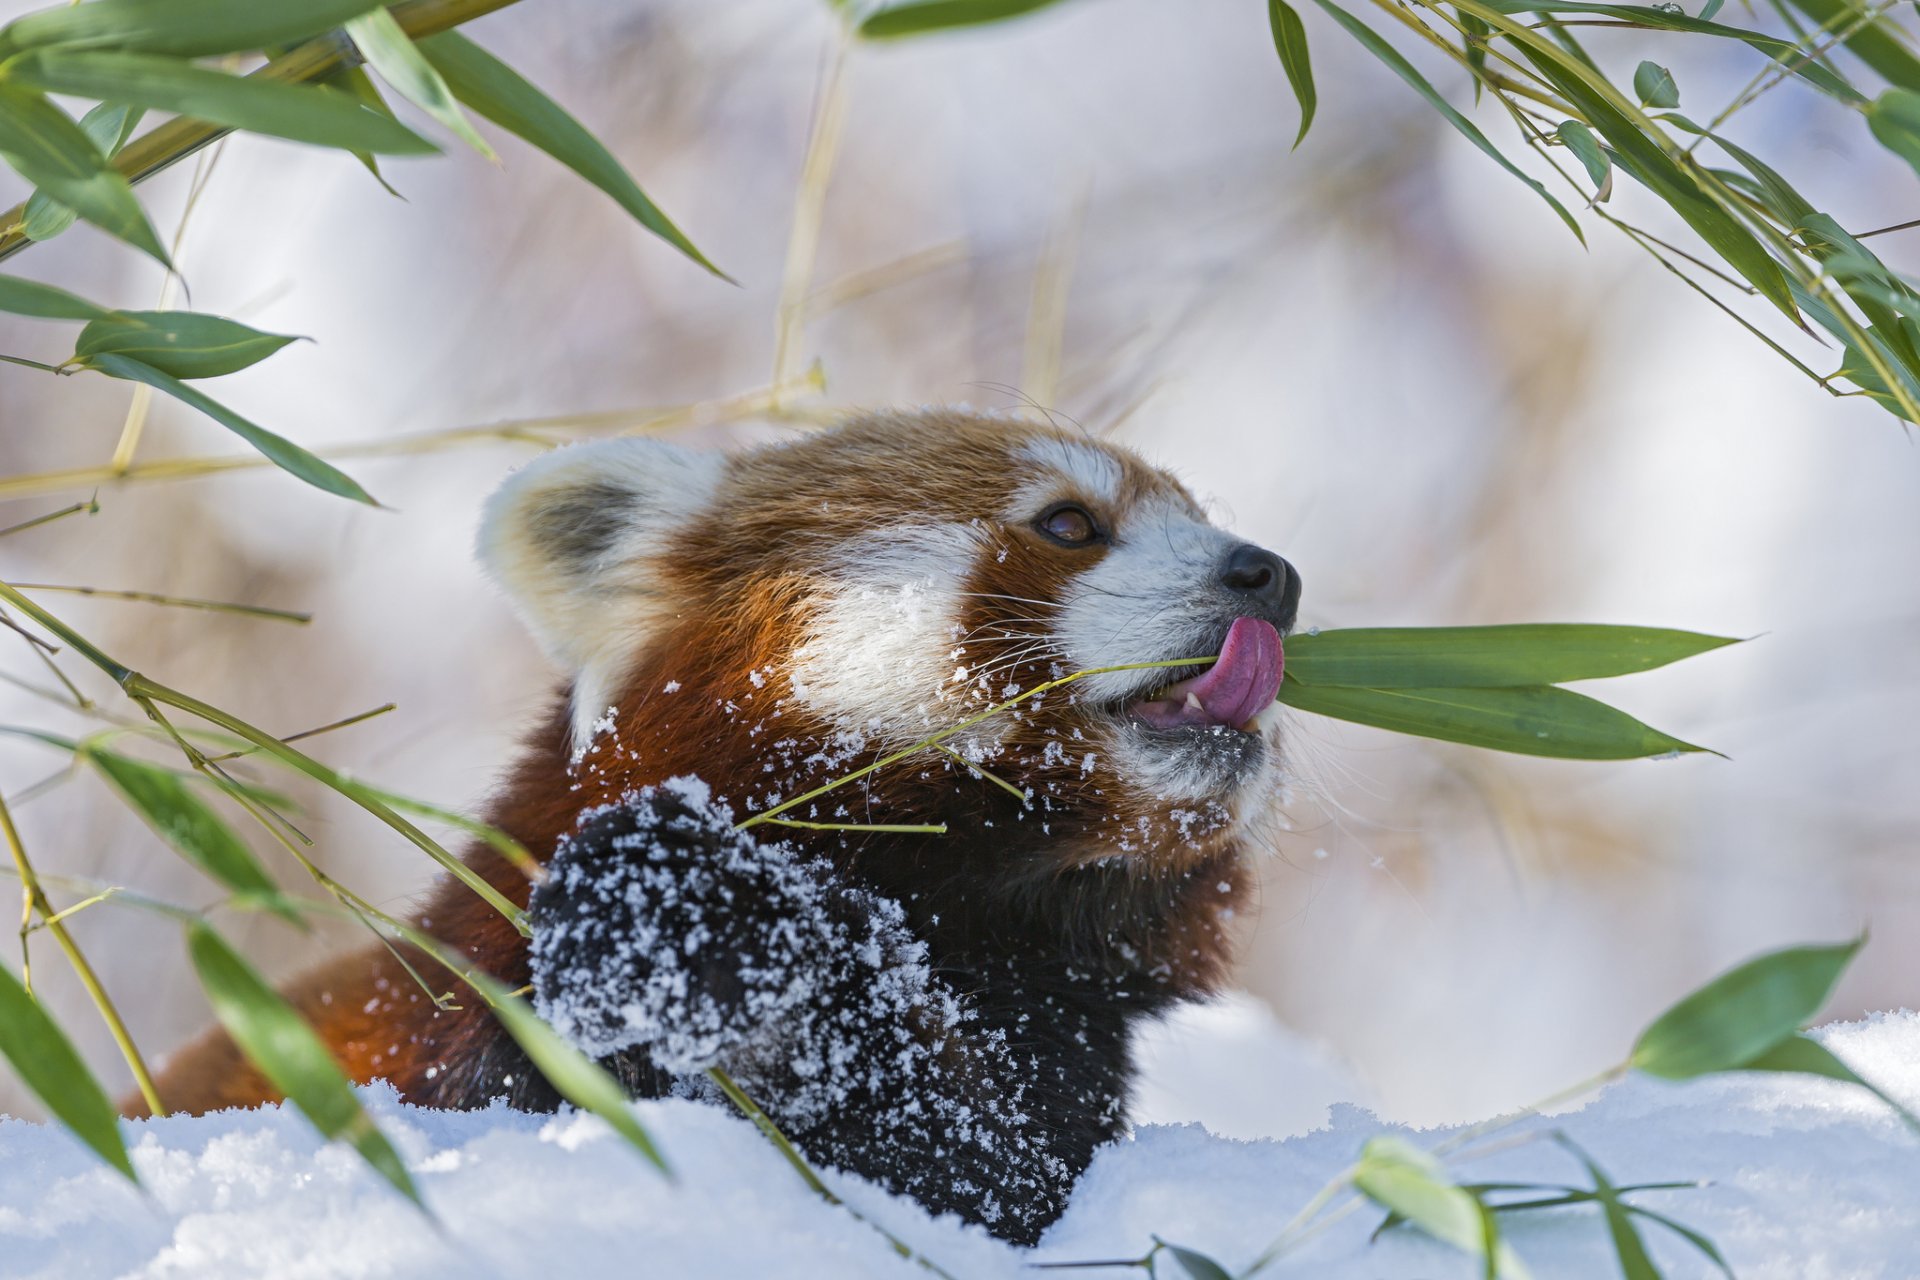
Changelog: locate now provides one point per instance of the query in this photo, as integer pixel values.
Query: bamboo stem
(37, 898)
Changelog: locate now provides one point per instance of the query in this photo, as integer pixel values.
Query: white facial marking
(1091, 473)
(878, 649)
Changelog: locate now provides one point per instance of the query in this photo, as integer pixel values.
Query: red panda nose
(1266, 580)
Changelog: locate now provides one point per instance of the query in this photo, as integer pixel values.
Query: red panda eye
(1068, 525)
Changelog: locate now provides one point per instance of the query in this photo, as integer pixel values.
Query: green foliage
(1654, 85)
(1489, 686)
(182, 344)
(31, 298)
(1412, 1185)
(47, 1064)
(1753, 223)
(301, 113)
(109, 125)
(1743, 1014)
(1290, 41)
(921, 16)
(499, 93)
(401, 64)
(49, 150)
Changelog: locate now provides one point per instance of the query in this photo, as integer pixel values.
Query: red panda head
(777, 618)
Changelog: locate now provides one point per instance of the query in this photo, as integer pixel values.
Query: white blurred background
(1379, 355)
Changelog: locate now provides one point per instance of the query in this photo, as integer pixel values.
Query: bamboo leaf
(1410, 1184)
(1587, 149)
(181, 28)
(183, 344)
(1406, 71)
(31, 298)
(290, 1054)
(400, 63)
(1644, 158)
(283, 453)
(923, 16)
(1486, 657)
(1790, 56)
(1654, 83)
(1193, 1264)
(49, 150)
(1894, 117)
(1529, 721)
(186, 822)
(300, 113)
(1743, 1014)
(1801, 1054)
(48, 1065)
(1628, 1248)
(109, 125)
(499, 93)
(578, 1078)
(1290, 41)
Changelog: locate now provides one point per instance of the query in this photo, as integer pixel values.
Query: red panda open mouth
(1242, 683)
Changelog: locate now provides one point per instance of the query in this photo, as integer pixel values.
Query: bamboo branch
(174, 141)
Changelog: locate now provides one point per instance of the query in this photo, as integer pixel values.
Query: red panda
(945, 1013)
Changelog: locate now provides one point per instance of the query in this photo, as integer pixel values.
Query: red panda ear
(573, 537)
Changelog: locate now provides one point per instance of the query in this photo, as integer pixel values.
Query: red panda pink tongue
(1232, 691)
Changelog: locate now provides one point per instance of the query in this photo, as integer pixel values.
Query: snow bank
(1808, 1179)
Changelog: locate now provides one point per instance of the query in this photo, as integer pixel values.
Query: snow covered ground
(1808, 1180)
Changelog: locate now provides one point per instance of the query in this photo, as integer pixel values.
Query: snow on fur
(1807, 1178)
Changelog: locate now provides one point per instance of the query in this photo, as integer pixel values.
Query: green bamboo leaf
(1486, 657)
(1405, 70)
(1410, 1183)
(499, 93)
(400, 63)
(1193, 1264)
(1801, 1054)
(1654, 84)
(183, 344)
(1882, 296)
(31, 298)
(290, 1054)
(1743, 1014)
(1628, 1248)
(923, 16)
(577, 1077)
(357, 84)
(1644, 158)
(1290, 41)
(1780, 198)
(181, 28)
(1894, 117)
(283, 453)
(1791, 57)
(1539, 721)
(1587, 149)
(48, 1065)
(1876, 43)
(109, 125)
(1692, 1237)
(299, 113)
(45, 146)
(186, 822)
